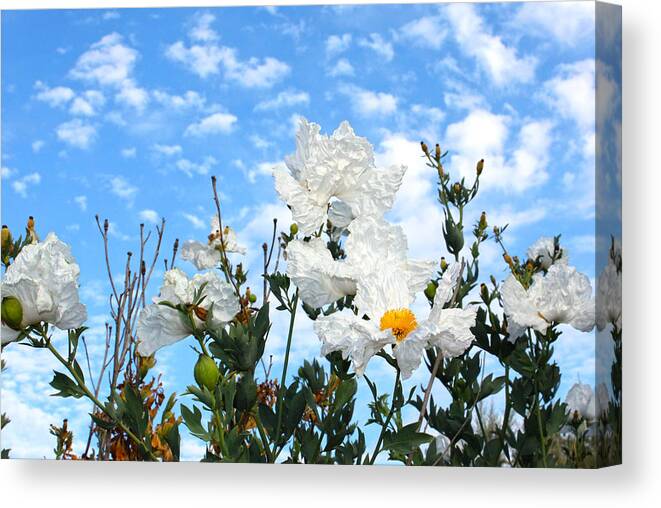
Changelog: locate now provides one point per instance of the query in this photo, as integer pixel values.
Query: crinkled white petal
(445, 290)
(450, 330)
(543, 248)
(374, 192)
(580, 398)
(609, 297)
(159, 326)
(320, 279)
(381, 291)
(176, 288)
(520, 308)
(340, 214)
(306, 210)
(418, 274)
(373, 241)
(44, 278)
(8, 335)
(232, 242)
(202, 255)
(357, 339)
(219, 297)
(409, 351)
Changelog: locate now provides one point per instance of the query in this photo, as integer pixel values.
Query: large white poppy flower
(383, 299)
(581, 399)
(44, 279)
(372, 243)
(609, 292)
(336, 171)
(160, 325)
(562, 295)
(543, 248)
(207, 255)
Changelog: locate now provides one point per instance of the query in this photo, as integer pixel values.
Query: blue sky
(127, 113)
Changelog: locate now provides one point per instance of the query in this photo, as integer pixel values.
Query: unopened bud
(444, 264)
(492, 279)
(456, 188)
(425, 148)
(293, 229)
(206, 373)
(480, 167)
(483, 221)
(484, 292)
(437, 152)
(508, 259)
(529, 266)
(30, 225)
(145, 363)
(12, 312)
(252, 298)
(430, 290)
(496, 230)
(6, 235)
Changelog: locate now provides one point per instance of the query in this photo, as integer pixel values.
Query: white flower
(44, 279)
(207, 255)
(160, 325)
(372, 243)
(580, 399)
(544, 248)
(385, 297)
(609, 291)
(326, 170)
(562, 295)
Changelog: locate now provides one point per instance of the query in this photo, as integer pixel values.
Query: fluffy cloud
(200, 168)
(148, 215)
(216, 123)
(128, 153)
(37, 145)
(76, 133)
(123, 189)
(368, 103)
(341, 68)
(54, 97)
(424, 32)
(88, 103)
(379, 45)
(571, 92)
(188, 100)
(284, 99)
(81, 201)
(167, 150)
(195, 221)
(205, 57)
(569, 23)
(22, 185)
(501, 62)
(336, 44)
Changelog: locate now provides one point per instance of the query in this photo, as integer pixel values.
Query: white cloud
(336, 44)
(76, 133)
(259, 142)
(261, 169)
(189, 99)
(425, 32)
(111, 15)
(88, 103)
(132, 95)
(22, 185)
(501, 62)
(379, 45)
(368, 103)
(195, 221)
(568, 22)
(216, 123)
(167, 150)
(37, 145)
(108, 62)
(7, 172)
(528, 165)
(200, 168)
(81, 201)
(571, 92)
(121, 188)
(148, 215)
(54, 97)
(284, 99)
(341, 68)
(205, 57)
(128, 153)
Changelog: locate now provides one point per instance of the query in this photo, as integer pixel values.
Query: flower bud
(483, 221)
(206, 373)
(480, 167)
(425, 148)
(508, 260)
(6, 235)
(496, 230)
(145, 363)
(293, 229)
(252, 298)
(430, 290)
(12, 312)
(444, 264)
(456, 188)
(30, 224)
(437, 152)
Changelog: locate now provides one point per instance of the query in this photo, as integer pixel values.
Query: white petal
(451, 332)
(419, 273)
(373, 242)
(7, 335)
(320, 279)
(202, 255)
(519, 307)
(176, 288)
(382, 290)
(543, 248)
(374, 192)
(408, 353)
(340, 214)
(306, 211)
(159, 326)
(218, 296)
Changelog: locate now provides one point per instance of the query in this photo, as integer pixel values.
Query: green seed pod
(206, 373)
(12, 312)
(293, 229)
(252, 298)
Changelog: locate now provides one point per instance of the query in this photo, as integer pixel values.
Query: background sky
(128, 113)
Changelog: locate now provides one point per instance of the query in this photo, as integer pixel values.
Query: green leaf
(66, 386)
(406, 440)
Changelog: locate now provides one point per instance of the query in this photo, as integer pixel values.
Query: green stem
(263, 437)
(541, 432)
(96, 401)
(377, 449)
(283, 378)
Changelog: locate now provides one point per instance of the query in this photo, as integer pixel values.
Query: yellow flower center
(400, 321)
